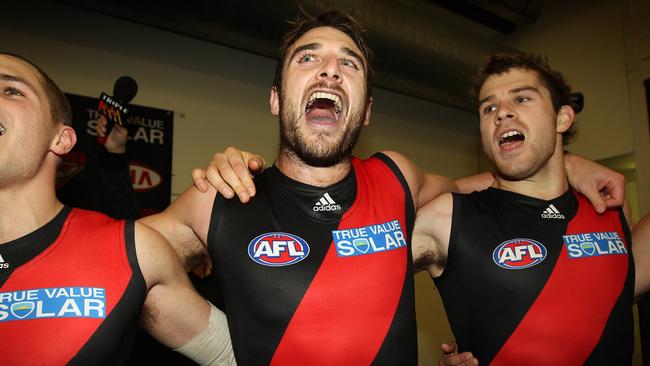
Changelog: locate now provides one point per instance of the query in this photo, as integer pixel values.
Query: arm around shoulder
(424, 187)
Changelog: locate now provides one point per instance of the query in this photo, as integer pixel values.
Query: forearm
(212, 346)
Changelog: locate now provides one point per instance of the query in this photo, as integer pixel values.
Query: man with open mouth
(528, 271)
(318, 267)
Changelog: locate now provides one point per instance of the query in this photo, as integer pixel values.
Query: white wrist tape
(212, 346)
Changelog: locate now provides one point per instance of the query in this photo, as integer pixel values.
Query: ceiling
(423, 48)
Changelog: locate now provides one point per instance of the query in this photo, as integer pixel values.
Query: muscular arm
(173, 312)
(431, 235)
(641, 251)
(185, 225)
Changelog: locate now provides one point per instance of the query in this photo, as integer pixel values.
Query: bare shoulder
(405, 165)
(413, 175)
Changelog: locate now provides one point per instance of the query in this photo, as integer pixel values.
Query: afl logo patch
(278, 249)
(519, 254)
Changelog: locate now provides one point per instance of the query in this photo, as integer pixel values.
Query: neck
(296, 169)
(26, 206)
(547, 183)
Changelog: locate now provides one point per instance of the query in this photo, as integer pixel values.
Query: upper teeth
(509, 134)
(323, 95)
(2, 130)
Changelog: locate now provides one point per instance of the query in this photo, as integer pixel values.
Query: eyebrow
(314, 46)
(512, 91)
(7, 77)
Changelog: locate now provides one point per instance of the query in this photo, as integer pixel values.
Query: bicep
(173, 312)
(185, 224)
(431, 235)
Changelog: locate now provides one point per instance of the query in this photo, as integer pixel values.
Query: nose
(504, 113)
(330, 71)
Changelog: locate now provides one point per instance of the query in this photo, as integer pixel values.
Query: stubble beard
(526, 169)
(293, 141)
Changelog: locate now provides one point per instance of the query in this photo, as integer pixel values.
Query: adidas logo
(3, 264)
(552, 213)
(326, 203)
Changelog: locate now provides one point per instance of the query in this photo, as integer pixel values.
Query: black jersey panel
(475, 289)
(262, 271)
(504, 254)
(245, 285)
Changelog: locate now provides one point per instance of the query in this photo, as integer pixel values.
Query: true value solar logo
(594, 244)
(59, 302)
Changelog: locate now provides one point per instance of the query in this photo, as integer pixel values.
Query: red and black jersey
(535, 282)
(313, 276)
(72, 293)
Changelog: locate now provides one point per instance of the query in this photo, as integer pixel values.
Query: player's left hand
(602, 186)
(230, 172)
(451, 357)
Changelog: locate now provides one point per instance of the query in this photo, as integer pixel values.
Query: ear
(64, 140)
(366, 120)
(564, 119)
(274, 101)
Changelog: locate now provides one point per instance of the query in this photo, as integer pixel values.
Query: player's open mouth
(323, 108)
(2, 129)
(510, 138)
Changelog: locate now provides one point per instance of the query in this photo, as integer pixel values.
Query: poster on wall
(148, 149)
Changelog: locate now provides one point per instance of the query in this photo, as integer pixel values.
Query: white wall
(220, 98)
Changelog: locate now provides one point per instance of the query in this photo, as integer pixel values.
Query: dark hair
(59, 105)
(554, 81)
(331, 18)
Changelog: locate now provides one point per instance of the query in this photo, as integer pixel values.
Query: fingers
(101, 126)
(215, 179)
(198, 178)
(614, 193)
(463, 359)
(230, 173)
(452, 358)
(256, 164)
(450, 347)
(458, 359)
(596, 198)
(235, 171)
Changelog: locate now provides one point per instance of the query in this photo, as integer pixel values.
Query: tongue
(322, 111)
